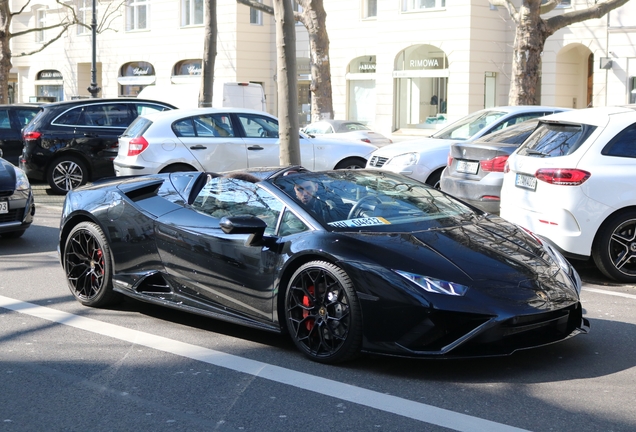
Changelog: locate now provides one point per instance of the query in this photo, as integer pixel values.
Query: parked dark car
(344, 261)
(12, 119)
(72, 142)
(17, 207)
(475, 169)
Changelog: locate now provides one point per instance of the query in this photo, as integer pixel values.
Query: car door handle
(255, 147)
(198, 147)
(90, 135)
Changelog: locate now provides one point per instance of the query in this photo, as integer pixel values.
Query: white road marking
(612, 293)
(335, 389)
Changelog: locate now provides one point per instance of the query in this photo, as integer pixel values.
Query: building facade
(401, 66)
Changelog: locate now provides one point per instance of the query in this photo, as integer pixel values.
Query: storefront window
(361, 84)
(421, 87)
(49, 86)
(187, 71)
(304, 91)
(135, 76)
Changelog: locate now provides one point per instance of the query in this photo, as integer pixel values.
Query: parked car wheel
(66, 173)
(88, 266)
(434, 179)
(178, 168)
(614, 251)
(323, 314)
(351, 163)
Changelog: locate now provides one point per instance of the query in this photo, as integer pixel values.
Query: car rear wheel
(88, 265)
(66, 173)
(177, 168)
(351, 163)
(323, 314)
(614, 249)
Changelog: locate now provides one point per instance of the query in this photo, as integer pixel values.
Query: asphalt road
(65, 367)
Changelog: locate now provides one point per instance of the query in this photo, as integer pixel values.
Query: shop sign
(49, 75)
(366, 67)
(426, 63)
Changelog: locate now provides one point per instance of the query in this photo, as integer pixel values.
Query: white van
(225, 94)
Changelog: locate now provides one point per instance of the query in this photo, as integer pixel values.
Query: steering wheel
(358, 206)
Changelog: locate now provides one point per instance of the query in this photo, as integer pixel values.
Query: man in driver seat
(323, 204)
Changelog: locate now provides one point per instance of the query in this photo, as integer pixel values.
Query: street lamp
(94, 89)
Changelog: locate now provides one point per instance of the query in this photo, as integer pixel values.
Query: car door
(260, 134)
(221, 268)
(10, 136)
(97, 132)
(213, 142)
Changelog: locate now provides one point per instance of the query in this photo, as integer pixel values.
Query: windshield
(466, 127)
(363, 200)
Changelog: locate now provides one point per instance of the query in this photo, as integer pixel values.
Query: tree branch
(598, 10)
(267, 9)
(512, 9)
(49, 42)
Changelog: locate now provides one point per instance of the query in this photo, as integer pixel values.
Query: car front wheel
(65, 174)
(351, 163)
(88, 265)
(323, 314)
(614, 249)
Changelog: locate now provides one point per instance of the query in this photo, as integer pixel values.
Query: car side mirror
(244, 225)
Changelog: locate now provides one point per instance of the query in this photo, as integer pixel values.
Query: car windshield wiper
(536, 153)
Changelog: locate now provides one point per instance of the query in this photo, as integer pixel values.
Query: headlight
(404, 160)
(21, 180)
(434, 285)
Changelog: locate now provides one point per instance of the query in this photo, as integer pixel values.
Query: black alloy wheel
(65, 174)
(614, 249)
(88, 266)
(323, 314)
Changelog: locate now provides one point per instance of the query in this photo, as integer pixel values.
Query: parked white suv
(425, 159)
(222, 139)
(573, 183)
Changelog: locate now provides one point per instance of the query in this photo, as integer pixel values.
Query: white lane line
(335, 389)
(612, 293)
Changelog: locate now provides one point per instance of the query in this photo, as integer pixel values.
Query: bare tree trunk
(526, 61)
(287, 82)
(314, 18)
(209, 55)
(5, 50)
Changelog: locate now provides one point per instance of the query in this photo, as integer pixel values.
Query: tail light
(496, 164)
(137, 145)
(449, 160)
(33, 135)
(366, 140)
(562, 176)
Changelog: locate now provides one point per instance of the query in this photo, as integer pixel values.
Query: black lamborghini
(343, 261)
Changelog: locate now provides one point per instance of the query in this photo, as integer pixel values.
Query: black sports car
(344, 261)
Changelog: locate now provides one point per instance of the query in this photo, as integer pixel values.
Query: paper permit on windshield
(359, 222)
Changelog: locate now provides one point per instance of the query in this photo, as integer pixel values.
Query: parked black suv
(12, 119)
(72, 142)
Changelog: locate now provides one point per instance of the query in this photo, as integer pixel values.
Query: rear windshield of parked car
(555, 139)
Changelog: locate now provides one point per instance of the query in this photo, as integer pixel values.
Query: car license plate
(526, 181)
(467, 167)
(4, 207)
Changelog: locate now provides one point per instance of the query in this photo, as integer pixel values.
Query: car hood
(495, 260)
(7, 176)
(413, 146)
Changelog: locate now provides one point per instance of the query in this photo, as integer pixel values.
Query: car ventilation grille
(6, 193)
(13, 216)
(377, 161)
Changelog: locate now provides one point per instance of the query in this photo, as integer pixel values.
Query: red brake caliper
(99, 261)
(309, 324)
